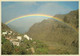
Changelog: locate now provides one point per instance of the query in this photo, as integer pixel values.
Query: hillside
(61, 38)
(15, 43)
(6, 28)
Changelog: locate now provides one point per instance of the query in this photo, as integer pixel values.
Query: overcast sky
(12, 10)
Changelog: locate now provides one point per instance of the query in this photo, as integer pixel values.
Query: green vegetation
(6, 46)
(24, 48)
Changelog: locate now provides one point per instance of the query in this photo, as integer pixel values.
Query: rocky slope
(58, 35)
(71, 18)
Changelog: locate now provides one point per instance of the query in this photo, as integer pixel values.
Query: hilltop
(71, 18)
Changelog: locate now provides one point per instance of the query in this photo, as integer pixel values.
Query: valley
(46, 37)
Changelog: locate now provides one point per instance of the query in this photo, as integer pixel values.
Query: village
(15, 39)
(13, 42)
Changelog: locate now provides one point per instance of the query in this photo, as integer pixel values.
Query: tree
(7, 47)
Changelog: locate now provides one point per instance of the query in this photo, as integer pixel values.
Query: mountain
(71, 18)
(60, 37)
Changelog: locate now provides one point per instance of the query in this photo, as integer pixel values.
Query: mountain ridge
(68, 19)
(55, 33)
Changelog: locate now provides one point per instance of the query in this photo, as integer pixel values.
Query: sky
(12, 10)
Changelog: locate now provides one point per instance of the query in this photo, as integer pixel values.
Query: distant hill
(58, 35)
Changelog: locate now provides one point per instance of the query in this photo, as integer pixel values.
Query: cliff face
(57, 34)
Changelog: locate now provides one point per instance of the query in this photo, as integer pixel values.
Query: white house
(30, 38)
(27, 37)
(4, 33)
(19, 37)
(10, 33)
(15, 43)
(12, 40)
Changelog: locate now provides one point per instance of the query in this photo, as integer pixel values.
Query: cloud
(16, 9)
(13, 4)
(52, 9)
(13, 10)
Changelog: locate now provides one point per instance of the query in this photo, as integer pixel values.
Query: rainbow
(44, 15)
